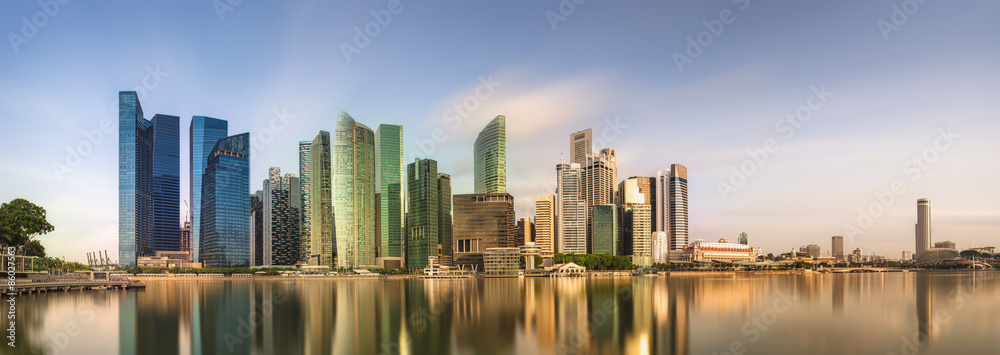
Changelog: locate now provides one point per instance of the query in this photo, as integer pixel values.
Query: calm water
(901, 313)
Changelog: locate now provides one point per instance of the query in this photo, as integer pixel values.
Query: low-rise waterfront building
(167, 260)
(502, 261)
(723, 251)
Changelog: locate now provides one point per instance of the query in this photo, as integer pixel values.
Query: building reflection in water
(924, 321)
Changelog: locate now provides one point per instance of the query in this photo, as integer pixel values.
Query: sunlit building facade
(545, 224)
(604, 227)
(390, 196)
(321, 235)
(225, 214)
(490, 158)
(598, 181)
(354, 192)
(281, 201)
(305, 208)
(204, 133)
(482, 221)
(701, 251)
(428, 223)
(571, 211)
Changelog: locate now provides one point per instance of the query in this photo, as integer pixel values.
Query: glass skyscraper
(304, 186)
(148, 182)
(282, 199)
(429, 220)
(482, 221)
(321, 235)
(204, 133)
(389, 198)
(225, 213)
(354, 192)
(571, 211)
(604, 225)
(490, 158)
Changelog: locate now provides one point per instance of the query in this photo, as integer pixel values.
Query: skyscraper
(428, 223)
(148, 181)
(545, 224)
(677, 213)
(166, 182)
(838, 248)
(635, 197)
(225, 213)
(571, 211)
(525, 232)
(257, 228)
(282, 199)
(598, 180)
(482, 221)
(661, 209)
(923, 226)
(322, 244)
(204, 133)
(604, 226)
(580, 146)
(305, 228)
(744, 239)
(186, 237)
(490, 158)
(354, 192)
(389, 174)
(135, 173)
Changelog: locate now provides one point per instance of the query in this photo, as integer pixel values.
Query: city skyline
(812, 190)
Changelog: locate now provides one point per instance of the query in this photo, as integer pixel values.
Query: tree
(20, 221)
(34, 248)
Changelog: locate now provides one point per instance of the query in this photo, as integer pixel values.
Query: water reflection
(920, 312)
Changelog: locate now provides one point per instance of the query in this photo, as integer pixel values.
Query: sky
(797, 120)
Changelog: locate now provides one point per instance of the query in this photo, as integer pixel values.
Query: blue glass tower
(135, 165)
(166, 183)
(225, 209)
(204, 133)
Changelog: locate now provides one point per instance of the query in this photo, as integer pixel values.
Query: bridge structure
(24, 286)
(844, 270)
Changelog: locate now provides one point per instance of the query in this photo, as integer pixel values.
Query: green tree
(20, 221)
(34, 248)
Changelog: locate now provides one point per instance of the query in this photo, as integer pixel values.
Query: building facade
(571, 211)
(605, 229)
(525, 232)
(204, 133)
(490, 158)
(322, 245)
(635, 198)
(428, 223)
(581, 144)
(545, 224)
(257, 228)
(502, 261)
(305, 228)
(744, 239)
(281, 201)
(700, 251)
(166, 182)
(837, 249)
(225, 213)
(354, 193)
(391, 188)
(661, 247)
(678, 206)
(482, 221)
(923, 226)
(598, 182)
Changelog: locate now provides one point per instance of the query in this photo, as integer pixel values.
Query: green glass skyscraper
(429, 220)
(305, 251)
(491, 158)
(323, 251)
(389, 174)
(604, 225)
(354, 192)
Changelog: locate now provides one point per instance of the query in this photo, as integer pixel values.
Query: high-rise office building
(811, 250)
(321, 235)
(545, 224)
(148, 181)
(389, 197)
(923, 226)
(204, 133)
(661, 247)
(428, 222)
(282, 199)
(677, 214)
(186, 237)
(635, 197)
(354, 192)
(744, 239)
(598, 181)
(490, 158)
(525, 232)
(482, 221)
(838, 248)
(225, 212)
(166, 182)
(571, 211)
(305, 228)
(580, 146)
(257, 228)
(604, 227)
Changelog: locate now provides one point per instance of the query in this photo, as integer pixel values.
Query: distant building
(701, 251)
(661, 247)
(186, 236)
(502, 261)
(257, 228)
(305, 186)
(838, 248)
(525, 231)
(490, 158)
(605, 229)
(856, 257)
(281, 202)
(580, 146)
(946, 244)
(225, 213)
(390, 175)
(322, 246)
(354, 193)
(907, 256)
(598, 178)
(204, 133)
(743, 238)
(571, 210)
(168, 260)
(429, 224)
(923, 226)
(481, 221)
(635, 197)
(545, 224)
(528, 251)
(811, 250)
(670, 212)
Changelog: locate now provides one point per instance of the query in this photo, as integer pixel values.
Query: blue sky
(552, 72)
